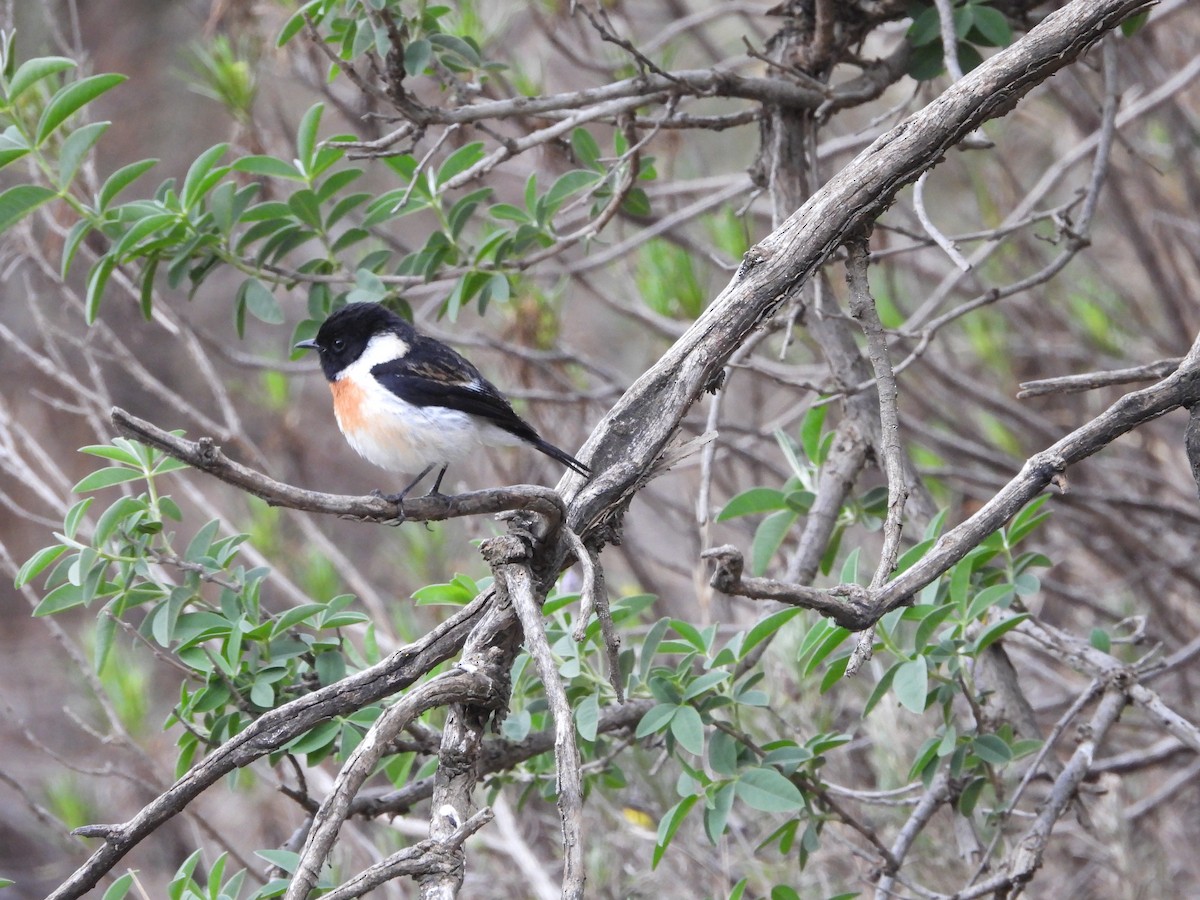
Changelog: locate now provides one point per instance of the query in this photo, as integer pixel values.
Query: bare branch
(1071, 384)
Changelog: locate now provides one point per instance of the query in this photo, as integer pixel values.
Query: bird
(409, 403)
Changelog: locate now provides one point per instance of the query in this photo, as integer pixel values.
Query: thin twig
(927, 223)
(862, 308)
(1072, 384)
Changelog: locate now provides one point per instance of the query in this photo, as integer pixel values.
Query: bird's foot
(396, 500)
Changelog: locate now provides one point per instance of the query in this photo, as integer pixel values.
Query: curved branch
(455, 686)
(206, 456)
(430, 855)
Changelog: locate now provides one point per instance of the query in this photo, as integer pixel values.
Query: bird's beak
(310, 344)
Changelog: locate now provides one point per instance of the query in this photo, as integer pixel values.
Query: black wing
(432, 374)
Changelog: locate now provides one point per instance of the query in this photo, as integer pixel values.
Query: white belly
(400, 437)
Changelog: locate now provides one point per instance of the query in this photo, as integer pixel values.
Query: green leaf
(331, 667)
(926, 755)
(112, 517)
(297, 21)
(968, 797)
(587, 717)
(708, 681)
(669, 825)
(306, 137)
(821, 640)
(10, 154)
(97, 281)
(688, 728)
(457, 45)
(262, 694)
(34, 70)
(314, 739)
(722, 753)
(75, 148)
(1134, 23)
(459, 161)
(119, 888)
(993, 633)
(649, 647)
(810, 432)
(103, 478)
(586, 150)
(69, 99)
(656, 719)
(754, 501)
(570, 183)
(1027, 519)
(691, 634)
(284, 859)
(121, 179)
(1099, 637)
(75, 516)
(768, 538)
(768, 791)
(38, 563)
(63, 597)
(195, 183)
(716, 814)
(911, 684)
(766, 627)
(416, 56)
(996, 595)
(929, 624)
(926, 61)
(268, 166)
(881, 689)
(992, 749)
(261, 303)
(18, 202)
(993, 26)
(926, 28)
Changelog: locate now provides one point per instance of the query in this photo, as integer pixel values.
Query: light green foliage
(319, 226)
(192, 597)
(225, 72)
(932, 644)
(217, 884)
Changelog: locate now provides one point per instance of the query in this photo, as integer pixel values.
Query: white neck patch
(381, 348)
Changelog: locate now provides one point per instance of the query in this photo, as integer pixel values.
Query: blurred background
(581, 328)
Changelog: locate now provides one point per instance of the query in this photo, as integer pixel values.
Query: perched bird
(407, 402)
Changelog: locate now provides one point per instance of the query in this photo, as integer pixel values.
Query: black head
(344, 336)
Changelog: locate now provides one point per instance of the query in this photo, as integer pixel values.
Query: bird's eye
(338, 345)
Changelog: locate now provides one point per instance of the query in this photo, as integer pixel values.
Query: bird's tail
(562, 456)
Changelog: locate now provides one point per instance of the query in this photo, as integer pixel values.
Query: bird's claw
(396, 500)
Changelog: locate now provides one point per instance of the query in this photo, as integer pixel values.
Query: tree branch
(206, 456)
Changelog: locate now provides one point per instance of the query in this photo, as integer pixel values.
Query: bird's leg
(398, 499)
(437, 482)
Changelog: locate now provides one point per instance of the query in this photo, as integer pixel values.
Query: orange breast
(348, 401)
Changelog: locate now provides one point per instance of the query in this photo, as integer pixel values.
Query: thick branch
(637, 429)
